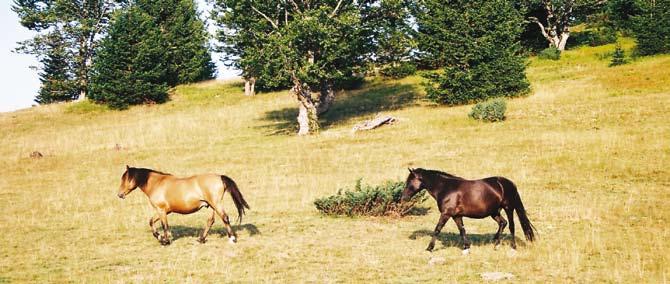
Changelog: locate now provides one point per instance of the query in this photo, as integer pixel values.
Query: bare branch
(542, 29)
(336, 8)
(295, 6)
(266, 17)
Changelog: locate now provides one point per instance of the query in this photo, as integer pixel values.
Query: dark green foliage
(620, 13)
(550, 53)
(532, 40)
(652, 27)
(392, 37)
(185, 38)
(480, 50)
(491, 110)
(57, 79)
(618, 57)
(130, 66)
(367, 200)
(593, 37)
(398, 71)
(80, 23)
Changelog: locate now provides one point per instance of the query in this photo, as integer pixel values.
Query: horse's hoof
(511, 253)
(156, 235)
(495, 247)
(202, 240)
(466, 251)
(430, 248)
(232, 239)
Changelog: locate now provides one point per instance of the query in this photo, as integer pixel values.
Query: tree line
(125, 52)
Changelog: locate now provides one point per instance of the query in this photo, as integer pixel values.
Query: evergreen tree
(392, 36)
(80, 22)
(56, 76)
(480, 50)
(618, 57)
(130, 67)
(652, 27)
(185, 38)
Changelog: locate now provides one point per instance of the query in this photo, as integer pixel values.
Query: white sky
(18, 83)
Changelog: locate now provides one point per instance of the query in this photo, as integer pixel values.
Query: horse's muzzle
(122, 196)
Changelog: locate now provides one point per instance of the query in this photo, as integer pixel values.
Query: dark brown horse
(458, 197)
(169, 194)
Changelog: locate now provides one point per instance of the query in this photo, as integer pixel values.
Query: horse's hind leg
(461, 229)
(210, 222)
(232, 237)
(152, 222)
(510, 219)
(501, 226)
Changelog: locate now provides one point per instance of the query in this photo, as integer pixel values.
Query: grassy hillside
(588, 150)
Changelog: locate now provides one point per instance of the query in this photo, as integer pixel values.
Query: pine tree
(652, 27)
(480, 50)
(130, 67)
(57, 80)
(618, 57)
(185, 37)
(80, 22)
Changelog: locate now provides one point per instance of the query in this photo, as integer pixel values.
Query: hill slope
(588, 150)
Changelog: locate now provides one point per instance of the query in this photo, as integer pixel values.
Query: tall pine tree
(130, 67)
(480, 50)
(81, 22)
(56, 76)
(185, 37)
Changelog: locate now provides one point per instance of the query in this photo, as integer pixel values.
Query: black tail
(512, 194)
(235, 193)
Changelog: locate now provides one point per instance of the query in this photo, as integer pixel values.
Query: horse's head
(413, 185)
(128, 183)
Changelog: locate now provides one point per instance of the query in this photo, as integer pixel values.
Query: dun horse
(457, 198)
(169, 194)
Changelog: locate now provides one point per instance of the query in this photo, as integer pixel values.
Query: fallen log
(374, 123)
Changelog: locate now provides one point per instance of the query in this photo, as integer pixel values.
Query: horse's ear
(411, 170)
(127, 167)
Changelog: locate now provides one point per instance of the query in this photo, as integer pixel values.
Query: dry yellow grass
(588, 150)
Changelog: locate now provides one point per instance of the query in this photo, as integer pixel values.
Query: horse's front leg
(443, 220)
(461, 229)
(165, 240)
(152, 223)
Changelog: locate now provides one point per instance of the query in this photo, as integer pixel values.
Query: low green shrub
(491, 110)
(368, 200)
(399, 71)
(550, 53)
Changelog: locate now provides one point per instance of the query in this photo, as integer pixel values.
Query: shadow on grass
(376, 97)
(179, 232)
(449, 239)
(418, 211)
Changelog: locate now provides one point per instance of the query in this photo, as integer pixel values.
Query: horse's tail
(512, 194)
(235, 193)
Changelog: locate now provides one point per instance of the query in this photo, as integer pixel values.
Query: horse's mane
(439, 173)
(141, 175)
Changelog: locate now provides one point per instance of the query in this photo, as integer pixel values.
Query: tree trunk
(308, 117)
(563, 41)
(250, 86)
(85, 62)
(326, 97)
